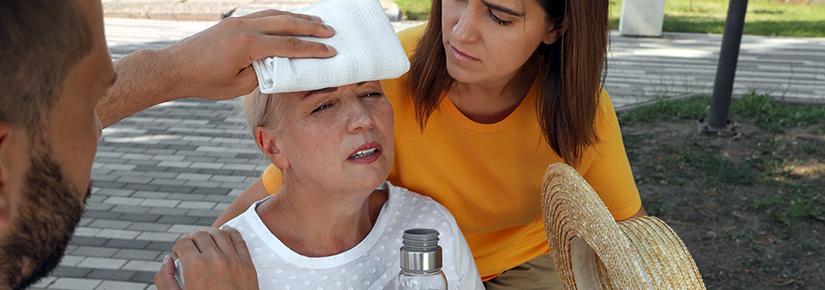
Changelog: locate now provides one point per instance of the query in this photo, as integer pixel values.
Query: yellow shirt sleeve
(607, 168)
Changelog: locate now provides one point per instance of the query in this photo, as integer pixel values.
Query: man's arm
(213, 64)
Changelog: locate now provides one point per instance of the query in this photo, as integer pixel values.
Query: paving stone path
(172, 169)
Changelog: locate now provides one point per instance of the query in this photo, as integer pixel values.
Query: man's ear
(554, 31)
(267, 141)
(5, 173)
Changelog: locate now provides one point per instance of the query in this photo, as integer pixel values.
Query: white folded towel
(367, 46)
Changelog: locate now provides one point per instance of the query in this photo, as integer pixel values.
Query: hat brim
(593, 251)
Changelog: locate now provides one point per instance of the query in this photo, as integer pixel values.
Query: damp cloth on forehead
(367, 47)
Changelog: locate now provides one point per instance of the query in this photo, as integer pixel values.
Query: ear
(268, 144)
(553, 32)
(5, 173)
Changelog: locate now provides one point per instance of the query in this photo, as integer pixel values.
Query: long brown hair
(570, 72)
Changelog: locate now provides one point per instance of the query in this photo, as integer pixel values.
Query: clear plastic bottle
(421, 262)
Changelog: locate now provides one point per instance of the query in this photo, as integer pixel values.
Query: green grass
(415, 9)
(765, 17)
(775, 116)
(791, 205)
(744, 205)
(763, 109)
(668, 110)
(763, 165)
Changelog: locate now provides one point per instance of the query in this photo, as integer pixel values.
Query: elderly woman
(337, 223)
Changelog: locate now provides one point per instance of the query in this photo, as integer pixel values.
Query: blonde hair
(262, 110)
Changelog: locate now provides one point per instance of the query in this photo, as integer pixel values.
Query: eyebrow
(327, 90)
(324, 90)
(503, 9)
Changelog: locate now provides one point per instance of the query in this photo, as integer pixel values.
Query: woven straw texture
(592, 251)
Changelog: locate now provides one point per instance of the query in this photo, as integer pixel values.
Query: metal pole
(726, 71)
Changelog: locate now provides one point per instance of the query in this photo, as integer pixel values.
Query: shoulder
(410, 37)
(605, 123)
(409, 199)
(608, 150)
(606, 128)
(243, 219)
(605, 104)
(397, 89)
(423, 211)
(248, 223)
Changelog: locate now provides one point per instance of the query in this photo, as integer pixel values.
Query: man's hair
(40, 41)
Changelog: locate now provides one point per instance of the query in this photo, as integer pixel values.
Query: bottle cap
(420, 252)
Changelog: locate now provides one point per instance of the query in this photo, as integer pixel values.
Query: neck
(317, 223)
(492, 101)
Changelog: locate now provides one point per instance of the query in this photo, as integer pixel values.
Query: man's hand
(211, 259)
(217, 63)
(213, 64)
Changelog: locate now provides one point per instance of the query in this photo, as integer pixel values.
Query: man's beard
(45, 222)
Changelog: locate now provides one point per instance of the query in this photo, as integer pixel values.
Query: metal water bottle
(421, 262)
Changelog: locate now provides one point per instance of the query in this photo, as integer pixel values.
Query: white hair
(262, 110)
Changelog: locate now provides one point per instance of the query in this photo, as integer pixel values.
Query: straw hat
(592, 251)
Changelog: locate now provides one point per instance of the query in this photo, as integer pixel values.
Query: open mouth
(365, 152)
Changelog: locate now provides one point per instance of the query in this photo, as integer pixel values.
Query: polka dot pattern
(367, 265)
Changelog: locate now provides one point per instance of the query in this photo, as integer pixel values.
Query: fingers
(206, 243)
(222, 240)
(165, 278)
(185, 248)
(273, 33)
(288, 47)
(290, 26)
(245, 82)
(239, 243)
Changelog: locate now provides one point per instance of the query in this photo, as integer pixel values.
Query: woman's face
(340, 139)
(489, 40)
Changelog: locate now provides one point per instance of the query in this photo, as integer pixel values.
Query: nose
(465, 30)
(360, 118)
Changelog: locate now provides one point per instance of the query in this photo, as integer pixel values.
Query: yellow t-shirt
(489, 175)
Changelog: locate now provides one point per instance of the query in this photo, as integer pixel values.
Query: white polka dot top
(371, 264)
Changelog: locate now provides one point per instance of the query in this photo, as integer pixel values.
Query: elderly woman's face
(340, 138)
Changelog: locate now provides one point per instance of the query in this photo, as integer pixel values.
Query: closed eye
(322, 107)
(372, 94)
(496, 19)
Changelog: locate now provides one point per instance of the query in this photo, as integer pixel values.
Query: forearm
(144, 79)
(215, 64)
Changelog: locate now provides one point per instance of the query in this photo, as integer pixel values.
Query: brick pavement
(163, 172)
(175, 167)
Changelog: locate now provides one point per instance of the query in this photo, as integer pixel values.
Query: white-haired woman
(337, 223)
